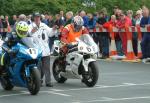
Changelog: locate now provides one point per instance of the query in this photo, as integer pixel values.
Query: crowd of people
(119, 19)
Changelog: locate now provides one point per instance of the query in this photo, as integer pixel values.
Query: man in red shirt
(121, 24)
(112, 22)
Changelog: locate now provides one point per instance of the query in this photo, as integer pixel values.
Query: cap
(36, 14)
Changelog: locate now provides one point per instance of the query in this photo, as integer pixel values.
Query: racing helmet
(78, 23)
(22, 29)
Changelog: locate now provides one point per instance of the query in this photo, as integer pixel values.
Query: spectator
(115, 10)
(69, 17)
(29, 19)
(104, 10)
(58, 21)
(7, 21)
(145, 18)
(145, 44)
(45, 19)
(14, 20)
(62, 18)
(134, 36)
(96, 15)
(42, 18)
(102, 38)
(118, 13)
(1, 26)
(5, 25)
(22, 17)
(101, 20)
(50, 21)
(138, 17)
(85, 18)
(130, 15)
(113, 23)
(122, 23)
(92, 22)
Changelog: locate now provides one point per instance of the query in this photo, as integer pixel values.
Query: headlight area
(88, 49)
(87, 56)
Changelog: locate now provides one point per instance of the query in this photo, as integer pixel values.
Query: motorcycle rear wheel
(6, 84)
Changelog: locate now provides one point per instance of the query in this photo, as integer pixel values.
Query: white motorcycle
(79, 63)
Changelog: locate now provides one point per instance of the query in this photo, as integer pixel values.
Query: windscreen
(87, 39)
(31, 42)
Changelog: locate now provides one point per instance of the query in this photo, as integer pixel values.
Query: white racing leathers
(42, 34)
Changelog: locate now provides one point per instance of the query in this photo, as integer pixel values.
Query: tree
(10, 7)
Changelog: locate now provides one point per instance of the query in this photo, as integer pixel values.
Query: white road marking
(57, 90)
(120, 73)
(104, 87)
(9, 95)
(61, 94)
(129, 84)
(113, 99)
(51, 92)
(106, 98)
(26, 92)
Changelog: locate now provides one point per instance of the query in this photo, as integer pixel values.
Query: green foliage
(10, 7)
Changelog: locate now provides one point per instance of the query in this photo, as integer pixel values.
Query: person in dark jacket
(51, 21)
(62, 18)
(103, 37)
(1, 27)
(14, 20)
(51, 24)
(145, 44)
(5, 22)
(58, 21)
(92, 22)
(69, 17)
(84, 17)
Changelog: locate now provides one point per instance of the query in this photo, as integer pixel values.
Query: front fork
(28, 71)
(86, 63)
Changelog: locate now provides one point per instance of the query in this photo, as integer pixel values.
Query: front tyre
(6, 84)
(57, 68)
(90, 78)
(34, 81)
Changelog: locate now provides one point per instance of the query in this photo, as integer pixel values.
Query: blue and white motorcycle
(22, 69)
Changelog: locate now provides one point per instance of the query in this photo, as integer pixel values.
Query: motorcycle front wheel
(91, 77)
(56, 72)
(34, 81)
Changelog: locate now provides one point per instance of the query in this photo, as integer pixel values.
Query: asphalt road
(118, 83)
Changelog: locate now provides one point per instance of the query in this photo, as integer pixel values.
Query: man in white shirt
(42, 32)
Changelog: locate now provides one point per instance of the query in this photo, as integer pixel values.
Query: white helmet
(78, 23)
